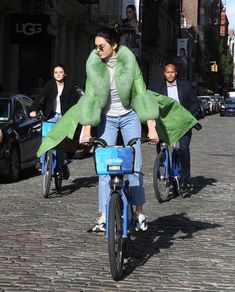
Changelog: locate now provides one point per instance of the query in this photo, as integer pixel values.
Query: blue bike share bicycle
(51, 167)
(117, 161)
(166, 173)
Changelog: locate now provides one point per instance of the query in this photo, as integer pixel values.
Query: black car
(20, 135)
(228, 107)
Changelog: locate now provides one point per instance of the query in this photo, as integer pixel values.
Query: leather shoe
(65, 171)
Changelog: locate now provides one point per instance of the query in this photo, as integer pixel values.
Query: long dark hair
(109, 34)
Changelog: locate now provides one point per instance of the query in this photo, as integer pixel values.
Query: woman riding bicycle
(116, 98)
(112, 77)
(55, 99)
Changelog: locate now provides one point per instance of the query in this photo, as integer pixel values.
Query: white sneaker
(141, 223)
(100, 225)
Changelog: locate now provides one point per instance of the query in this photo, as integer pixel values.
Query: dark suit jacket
(45, 101)
(186, 94)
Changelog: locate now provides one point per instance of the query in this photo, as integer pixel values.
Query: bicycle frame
(46, 127)
(116, 161)
(172, 169)
(175, 168)
(167, 162)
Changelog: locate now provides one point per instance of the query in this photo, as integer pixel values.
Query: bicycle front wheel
(115, 240)
(161, 177)
(58, 179)
(46, 179)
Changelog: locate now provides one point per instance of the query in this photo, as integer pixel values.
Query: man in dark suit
(181, 91)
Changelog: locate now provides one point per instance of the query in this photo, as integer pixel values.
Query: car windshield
(5, 107)
(205, 98)
(230, 101)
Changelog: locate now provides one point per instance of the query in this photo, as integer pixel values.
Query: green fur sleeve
(89, 109)
(143, 101)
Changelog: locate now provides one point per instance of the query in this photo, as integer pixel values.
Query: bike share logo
(29, 28)
(114, 160)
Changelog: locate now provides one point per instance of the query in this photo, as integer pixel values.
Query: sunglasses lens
(99, 47)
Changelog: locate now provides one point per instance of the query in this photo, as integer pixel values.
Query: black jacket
(45, 101)
(186, 94)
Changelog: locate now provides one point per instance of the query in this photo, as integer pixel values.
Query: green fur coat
(172, 120)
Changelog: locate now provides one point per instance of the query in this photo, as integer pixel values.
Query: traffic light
(214, 67)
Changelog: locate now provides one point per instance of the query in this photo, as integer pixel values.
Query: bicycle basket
(46, 127)
(114, 160)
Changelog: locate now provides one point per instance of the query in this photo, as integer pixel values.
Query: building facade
(36, 34)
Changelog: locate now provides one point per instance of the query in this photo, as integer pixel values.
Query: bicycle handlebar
(41, 116)
(142, 140)
(98, 141)
(103, 143)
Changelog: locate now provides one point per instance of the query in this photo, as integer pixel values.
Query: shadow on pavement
(81, 182)
(162, 233)
(198, 183)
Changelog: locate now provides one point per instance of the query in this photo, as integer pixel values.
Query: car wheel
(14, 171)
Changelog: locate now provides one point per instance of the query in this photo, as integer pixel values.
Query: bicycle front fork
(175, 163)
(42, 159)
(125, 213)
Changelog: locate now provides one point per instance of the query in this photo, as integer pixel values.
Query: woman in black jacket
(56, 98)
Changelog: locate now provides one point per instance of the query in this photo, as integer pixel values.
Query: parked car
(228, 107)
(231, 94)
(208, 104)
(201, 110)
(20, 135)
(216, 105)
(220, 99)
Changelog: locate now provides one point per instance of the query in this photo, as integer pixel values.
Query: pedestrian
(54, 100)
(130, 24)
(116, 98)
(182, 92)
(181, 64)
(130, 30)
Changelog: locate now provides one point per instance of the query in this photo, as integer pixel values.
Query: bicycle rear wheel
(115, 240)
(161, 179)
(46, 179)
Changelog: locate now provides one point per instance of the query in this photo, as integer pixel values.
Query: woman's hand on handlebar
(38, 115)
(85, 134)
(85, 139)
(33, 114)
(153, 137)
(152, 133)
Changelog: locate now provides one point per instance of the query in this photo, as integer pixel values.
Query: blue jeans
(130, 127)
(61, 155)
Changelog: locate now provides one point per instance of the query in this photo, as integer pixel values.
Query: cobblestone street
(189, 245)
